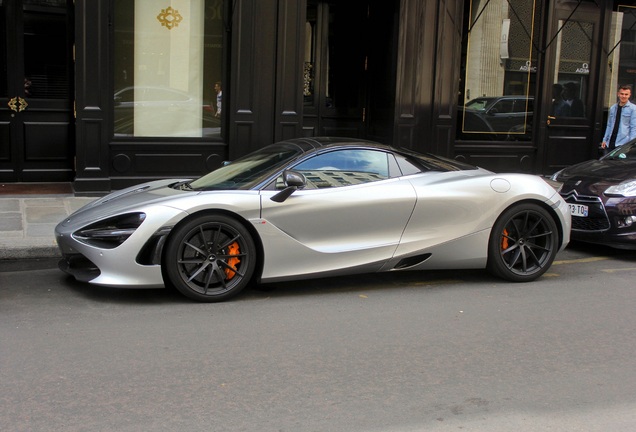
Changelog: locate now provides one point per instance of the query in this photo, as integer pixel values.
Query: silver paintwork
(361, 228)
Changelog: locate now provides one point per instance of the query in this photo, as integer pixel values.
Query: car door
(351, 214)
(501, 115)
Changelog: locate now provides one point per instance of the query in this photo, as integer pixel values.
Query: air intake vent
(412, 261)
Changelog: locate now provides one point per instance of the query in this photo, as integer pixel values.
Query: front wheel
(523, 243)
(210, 258)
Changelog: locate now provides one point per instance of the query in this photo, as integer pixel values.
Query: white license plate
(578, 210)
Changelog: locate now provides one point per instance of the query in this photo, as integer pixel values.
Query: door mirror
(293, 180)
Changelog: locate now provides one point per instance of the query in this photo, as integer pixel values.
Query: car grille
(596, 220)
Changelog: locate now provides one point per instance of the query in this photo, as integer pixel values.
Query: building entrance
(349, 68)
(36, 102)
(572, 77)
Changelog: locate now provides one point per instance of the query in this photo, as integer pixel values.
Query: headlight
(110, 233)
(556, 175)
(626, 189)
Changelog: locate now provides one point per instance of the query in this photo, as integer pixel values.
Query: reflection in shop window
(499, 71)
(574, 54)
(621, 63)
(168, 61)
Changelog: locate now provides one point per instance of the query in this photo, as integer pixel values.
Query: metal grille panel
(597, 219)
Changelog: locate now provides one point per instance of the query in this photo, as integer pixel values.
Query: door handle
(17, 104)
(551, 118)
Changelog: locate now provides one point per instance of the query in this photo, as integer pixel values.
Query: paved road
(439, 351)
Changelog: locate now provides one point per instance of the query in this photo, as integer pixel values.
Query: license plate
(578, 210)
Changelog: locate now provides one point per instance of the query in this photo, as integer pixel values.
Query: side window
(520, 106)
(344, 168)
(126, 95)
(503, 107)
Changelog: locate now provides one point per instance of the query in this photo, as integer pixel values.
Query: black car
(504, 116)
(602, 198)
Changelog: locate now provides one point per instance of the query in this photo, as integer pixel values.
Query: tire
(523, 243)
(210, 258)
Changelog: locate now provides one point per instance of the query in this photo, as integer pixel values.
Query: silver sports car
(315, 207)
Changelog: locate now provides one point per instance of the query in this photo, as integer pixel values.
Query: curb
(29, 252)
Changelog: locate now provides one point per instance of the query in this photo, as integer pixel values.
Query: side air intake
(412, 261)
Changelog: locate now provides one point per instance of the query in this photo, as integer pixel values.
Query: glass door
(349, 81)
(572, 65)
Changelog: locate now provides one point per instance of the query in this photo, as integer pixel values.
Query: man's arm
(632, 122)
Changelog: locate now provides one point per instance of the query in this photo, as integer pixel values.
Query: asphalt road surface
(436, 351)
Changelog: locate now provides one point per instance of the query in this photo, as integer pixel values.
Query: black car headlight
(110, 233)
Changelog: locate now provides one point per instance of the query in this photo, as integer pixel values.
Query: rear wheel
(210, 258)
(523, 243)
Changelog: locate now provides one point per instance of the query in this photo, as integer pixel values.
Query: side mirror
(293, 180)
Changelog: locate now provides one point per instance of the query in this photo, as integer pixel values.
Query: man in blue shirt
(621, 122)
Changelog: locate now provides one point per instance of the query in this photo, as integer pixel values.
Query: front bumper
(136, 263)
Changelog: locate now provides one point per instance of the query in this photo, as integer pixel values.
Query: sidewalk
(27, 223)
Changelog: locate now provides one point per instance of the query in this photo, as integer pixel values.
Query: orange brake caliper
(504, 240)
(233, 249)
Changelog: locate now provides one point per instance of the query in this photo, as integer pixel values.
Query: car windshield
(624, 152)
(247, 171)
(479, 104)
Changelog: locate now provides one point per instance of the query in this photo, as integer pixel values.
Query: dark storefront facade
(109, 93)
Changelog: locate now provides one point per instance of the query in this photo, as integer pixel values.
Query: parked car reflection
(497, 118)
(159, 103)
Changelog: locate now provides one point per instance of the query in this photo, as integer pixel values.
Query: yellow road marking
(618, 270)
(580, 260)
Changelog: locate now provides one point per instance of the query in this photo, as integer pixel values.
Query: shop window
(621, 59)
(168, 68)
(499, 70)
(574, 43)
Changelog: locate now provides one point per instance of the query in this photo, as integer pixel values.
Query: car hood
(607, 169)
(151, 193)
(595, 176)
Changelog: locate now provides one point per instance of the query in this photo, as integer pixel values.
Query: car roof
(316, 143)
(496, 98)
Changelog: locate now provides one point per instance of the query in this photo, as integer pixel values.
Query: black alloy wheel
(523, 243)
(210, 258)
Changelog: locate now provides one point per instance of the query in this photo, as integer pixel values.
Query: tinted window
(503, 106)
(344, 168)
(411, 162)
